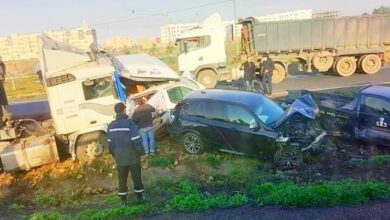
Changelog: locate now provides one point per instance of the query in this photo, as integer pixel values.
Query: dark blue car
(244, 123)
(365, 118)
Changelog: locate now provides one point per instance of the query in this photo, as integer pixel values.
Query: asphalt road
(320, 81)
(374, 210)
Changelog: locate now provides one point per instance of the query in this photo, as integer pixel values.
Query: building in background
(116, 43)
(169, 32)
(26, 46)
(287, 16)
(326, 14)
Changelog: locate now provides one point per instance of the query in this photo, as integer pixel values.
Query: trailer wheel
(322, 63)
(90, 146)
(345, 66)
(370, 63)
(278, 74)
(208, 78)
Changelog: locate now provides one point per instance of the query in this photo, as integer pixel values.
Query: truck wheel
(287, 158)
(90, 146)
(345, 66)
(370, 63)
(322, 63)
(193, 143)
(278, 74)
(208, 78)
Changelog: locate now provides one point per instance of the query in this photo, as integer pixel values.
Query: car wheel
(287, 158)
(192, 143)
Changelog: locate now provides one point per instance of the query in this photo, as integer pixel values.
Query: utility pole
(235, 26)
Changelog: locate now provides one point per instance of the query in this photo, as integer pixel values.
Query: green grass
(190, 199)
(380, 160)
(122, 211)
(47, 216)
(161, 161)
(26, 87)
(322, 194)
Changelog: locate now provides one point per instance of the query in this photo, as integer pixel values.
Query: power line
(159, 14)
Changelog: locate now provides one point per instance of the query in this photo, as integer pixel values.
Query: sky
(31, 16)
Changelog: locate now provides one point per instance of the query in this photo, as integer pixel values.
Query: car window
(193, 108)
(216, 110)
(239, 115)
(178, 93)
(378, 106)
(97, 88)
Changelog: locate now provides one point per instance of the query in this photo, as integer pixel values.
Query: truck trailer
(343, 45)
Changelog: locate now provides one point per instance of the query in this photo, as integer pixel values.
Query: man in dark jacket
(125, 146)
(144, 120)
(249, 72)
(267, 68)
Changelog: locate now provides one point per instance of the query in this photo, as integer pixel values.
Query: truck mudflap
(28, 153)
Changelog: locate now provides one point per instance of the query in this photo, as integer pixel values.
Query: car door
(246, 134)
(374, 120)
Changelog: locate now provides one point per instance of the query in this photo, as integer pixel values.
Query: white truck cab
(82, 89)
(202, 52)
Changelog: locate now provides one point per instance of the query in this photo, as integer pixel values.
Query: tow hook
(318, 138)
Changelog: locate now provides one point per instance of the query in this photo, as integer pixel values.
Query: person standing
(267, 68)
(125, 146)
(3, 94)
(144, 120)
(249, 72)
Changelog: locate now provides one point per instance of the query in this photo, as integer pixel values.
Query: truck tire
(208, 78)
(345, 66)
(278, 74)
(90, 146)
(370, 63)
(322, 63)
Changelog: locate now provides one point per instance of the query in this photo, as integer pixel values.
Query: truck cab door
(374, 120)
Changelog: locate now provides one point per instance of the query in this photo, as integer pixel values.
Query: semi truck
(343, 45)
(82, 89)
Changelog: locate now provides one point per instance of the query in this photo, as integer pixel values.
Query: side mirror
(253, 125)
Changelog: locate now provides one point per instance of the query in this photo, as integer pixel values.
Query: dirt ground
(70, 186)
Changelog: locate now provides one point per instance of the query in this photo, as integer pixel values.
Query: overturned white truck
(82, 88)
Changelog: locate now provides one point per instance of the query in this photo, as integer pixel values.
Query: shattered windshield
(268, 111)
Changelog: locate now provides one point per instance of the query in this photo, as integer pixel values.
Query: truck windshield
(194, 43)
(268, 111)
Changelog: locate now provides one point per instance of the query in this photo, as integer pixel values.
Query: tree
(153, 50)
(169, 49)
(381, 10)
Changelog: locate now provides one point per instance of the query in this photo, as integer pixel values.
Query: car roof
(235, 96)
(383, 91)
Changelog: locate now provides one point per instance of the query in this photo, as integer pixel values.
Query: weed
(191, 199)
(44, 199)
(112, 199)
(122, 211)
(324, 194)
(47, 200)
(48, 216)
(161, 161)
(213, 160)
(380, 160)
(15, 206)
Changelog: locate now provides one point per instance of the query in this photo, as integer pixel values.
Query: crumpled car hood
(304, 105)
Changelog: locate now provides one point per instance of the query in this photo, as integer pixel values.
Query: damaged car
(247, 123)
(360, 122)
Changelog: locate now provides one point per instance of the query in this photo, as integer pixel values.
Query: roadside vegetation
(178, 182)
